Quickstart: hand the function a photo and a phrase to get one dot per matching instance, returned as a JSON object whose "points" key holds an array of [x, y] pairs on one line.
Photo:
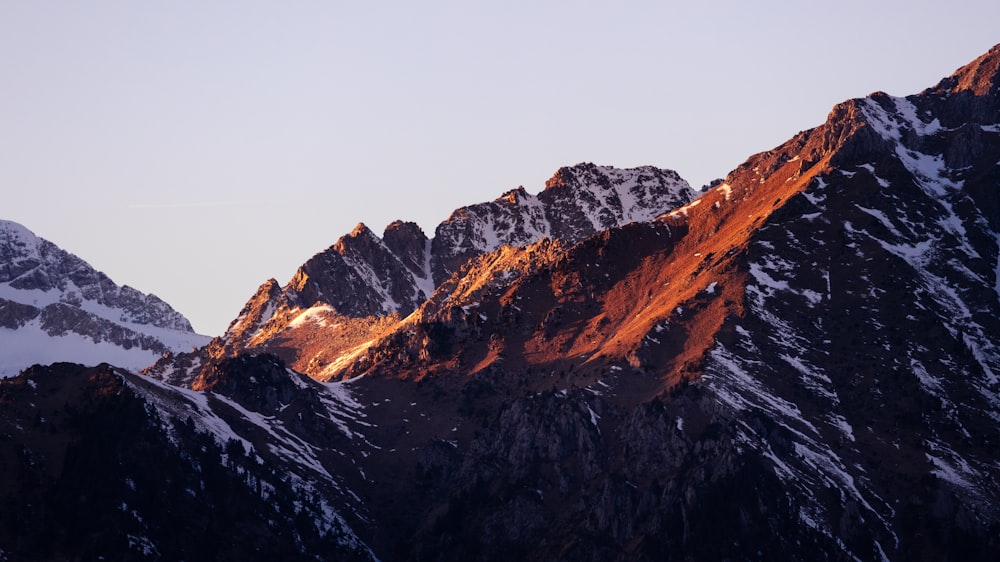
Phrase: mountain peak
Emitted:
{"points": [[514, 196], [256, 311], [584, 172], [981, 77], [591, 175], [361, 229], [19, 248], [577, 202], [402, 228], [11, 231], [47, 292]]}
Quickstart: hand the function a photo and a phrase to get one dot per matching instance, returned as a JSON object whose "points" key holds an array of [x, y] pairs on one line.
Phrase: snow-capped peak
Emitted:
{"points": [[56, 307]]}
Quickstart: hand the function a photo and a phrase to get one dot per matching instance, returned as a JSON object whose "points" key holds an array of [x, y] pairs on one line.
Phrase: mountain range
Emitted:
{"points": [[799, 362]]}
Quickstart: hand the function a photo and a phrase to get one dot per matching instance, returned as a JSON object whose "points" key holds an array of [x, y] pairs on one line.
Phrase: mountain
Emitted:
{"points": [[56, 307], [363, 284], [799, 364], [99, 463]]}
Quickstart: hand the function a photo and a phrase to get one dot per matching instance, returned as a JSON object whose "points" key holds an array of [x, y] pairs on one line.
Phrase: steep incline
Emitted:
{"points": [[56, 307], [867, 360]]}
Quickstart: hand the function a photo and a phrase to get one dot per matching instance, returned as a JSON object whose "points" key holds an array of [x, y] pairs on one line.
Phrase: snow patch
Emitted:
{"points": [[30, 344], [314, 315], [683, 211]]}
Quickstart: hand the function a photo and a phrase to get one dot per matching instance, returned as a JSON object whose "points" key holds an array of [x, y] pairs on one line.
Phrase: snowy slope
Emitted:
{"points": [[56, 307]]}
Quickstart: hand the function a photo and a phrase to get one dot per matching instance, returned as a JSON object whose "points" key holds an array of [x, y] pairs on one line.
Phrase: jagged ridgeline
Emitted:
{"points": [[357, 290], [799, 363]]}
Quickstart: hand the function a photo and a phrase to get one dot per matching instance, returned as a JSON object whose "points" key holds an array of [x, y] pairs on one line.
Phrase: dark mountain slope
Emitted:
{"points": [[90, 469]]}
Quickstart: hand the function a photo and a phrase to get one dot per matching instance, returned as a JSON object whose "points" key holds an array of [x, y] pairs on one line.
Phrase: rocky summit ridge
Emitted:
{"points": [[363, 282], [802, 363]]}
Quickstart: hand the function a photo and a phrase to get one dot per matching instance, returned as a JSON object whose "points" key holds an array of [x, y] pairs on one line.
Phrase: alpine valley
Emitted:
{"points": [[799, 362]]}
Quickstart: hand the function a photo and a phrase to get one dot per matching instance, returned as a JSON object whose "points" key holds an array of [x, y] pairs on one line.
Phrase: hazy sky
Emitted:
{"points": [[196, 149]]}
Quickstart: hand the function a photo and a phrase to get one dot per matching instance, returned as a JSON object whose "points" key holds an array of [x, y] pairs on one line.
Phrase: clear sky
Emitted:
{"points": [[196, 149]]}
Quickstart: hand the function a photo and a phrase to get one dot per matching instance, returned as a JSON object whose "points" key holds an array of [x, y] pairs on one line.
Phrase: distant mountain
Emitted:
{"points": [[56, 307], [800, 364], [364, 283]]}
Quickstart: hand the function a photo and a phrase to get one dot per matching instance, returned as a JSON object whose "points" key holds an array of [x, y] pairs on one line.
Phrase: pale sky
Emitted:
{"points": [[196, 149]]}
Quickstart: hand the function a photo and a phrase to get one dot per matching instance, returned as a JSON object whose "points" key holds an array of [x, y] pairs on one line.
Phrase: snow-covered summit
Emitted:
{"points": [[577, 202], [55, 307], [32, 267]]}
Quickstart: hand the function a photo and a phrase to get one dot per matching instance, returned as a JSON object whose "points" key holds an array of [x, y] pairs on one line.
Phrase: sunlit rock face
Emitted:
{"points": [[349, 294]]}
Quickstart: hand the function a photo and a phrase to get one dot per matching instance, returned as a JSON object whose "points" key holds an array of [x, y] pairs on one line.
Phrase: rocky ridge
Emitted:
{"points": [[363, 284]]}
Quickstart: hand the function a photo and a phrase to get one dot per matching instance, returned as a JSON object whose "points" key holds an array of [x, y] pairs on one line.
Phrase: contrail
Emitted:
{"points": [[180, 205]]}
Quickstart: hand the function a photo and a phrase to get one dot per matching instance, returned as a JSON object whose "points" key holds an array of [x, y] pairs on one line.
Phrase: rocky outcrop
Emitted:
{"points": [[260, 383], [14, 315], [409, 244], [256, 312]]}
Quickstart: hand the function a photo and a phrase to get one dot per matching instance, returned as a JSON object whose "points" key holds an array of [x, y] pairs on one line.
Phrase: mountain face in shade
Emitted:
{"points": [[364, 283], [99, 463], [56, 307], [800, 364]]}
